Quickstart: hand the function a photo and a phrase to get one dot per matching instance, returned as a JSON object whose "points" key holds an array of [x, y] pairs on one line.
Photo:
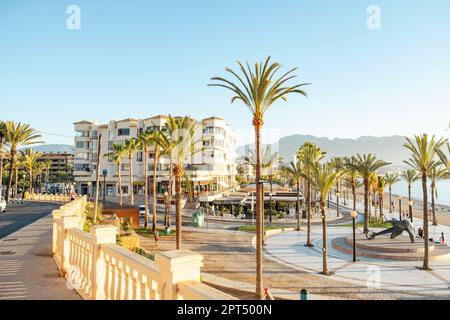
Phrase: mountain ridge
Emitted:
{"points": [[388, 148]]}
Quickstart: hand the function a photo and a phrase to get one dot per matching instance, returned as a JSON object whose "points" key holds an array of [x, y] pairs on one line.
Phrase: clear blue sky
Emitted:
{"points": [[142, 58]]}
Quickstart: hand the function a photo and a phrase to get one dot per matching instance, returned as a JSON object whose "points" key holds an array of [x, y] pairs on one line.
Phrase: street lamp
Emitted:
{"points": [[89, 190], [354, 215], [400, 207], [411, 203], [166, 210]]}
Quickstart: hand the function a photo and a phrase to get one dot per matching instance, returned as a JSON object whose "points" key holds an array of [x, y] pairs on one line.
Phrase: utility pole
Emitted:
{"points": [[97, 177]]}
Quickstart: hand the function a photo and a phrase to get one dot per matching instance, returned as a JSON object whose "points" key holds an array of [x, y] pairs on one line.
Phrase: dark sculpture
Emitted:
{"points": [[397, 229]]}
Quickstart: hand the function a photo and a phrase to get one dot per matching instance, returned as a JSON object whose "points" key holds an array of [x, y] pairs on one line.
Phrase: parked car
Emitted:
{"points": [[2, 205], [142, 211]]}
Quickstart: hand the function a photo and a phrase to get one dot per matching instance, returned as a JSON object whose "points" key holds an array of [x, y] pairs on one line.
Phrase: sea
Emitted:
{"points": [[443, 191]]}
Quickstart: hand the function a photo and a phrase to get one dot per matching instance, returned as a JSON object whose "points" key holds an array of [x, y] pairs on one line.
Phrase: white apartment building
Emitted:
{"points": [[211, 170]]}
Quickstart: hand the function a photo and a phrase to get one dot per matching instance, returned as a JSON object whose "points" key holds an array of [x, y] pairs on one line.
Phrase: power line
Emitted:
{"points": [[56, 134]]}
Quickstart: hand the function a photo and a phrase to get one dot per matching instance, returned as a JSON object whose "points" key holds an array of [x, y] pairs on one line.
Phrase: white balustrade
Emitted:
{"points": [[100, 269]]}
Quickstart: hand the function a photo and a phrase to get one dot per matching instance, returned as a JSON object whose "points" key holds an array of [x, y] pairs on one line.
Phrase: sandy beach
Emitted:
{"points": [[442, 211]]}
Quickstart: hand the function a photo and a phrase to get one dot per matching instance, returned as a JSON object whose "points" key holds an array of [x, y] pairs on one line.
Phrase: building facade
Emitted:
{"points": [[211, 169]]}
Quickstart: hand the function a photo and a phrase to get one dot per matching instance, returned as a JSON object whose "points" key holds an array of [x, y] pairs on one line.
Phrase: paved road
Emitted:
{"points": [[27, 269], [18, 216]]}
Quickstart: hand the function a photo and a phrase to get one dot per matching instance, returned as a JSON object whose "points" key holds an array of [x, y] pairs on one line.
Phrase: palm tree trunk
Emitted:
{"points": [[130, 158], [154, 188], [16, 183], [380, 196], [324, 239], [409, 201], [354, 194], [257, 123], [30, 187], [298, 205], [270, 196], [11, 172], [169, 198], [308, 232], [433, 203], [1, 169], [146, 185], [390, 199], [366, 205], [177, 175], [308, 205], [337, 199], [425, 220], [119, 164]]}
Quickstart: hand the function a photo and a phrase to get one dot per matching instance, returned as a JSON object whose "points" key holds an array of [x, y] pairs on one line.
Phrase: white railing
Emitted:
{"points": [[48, 197], [99, 269]]}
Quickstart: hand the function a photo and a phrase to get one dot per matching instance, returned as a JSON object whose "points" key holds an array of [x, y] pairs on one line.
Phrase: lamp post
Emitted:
{"points": [[104, 173], [337, 204], [166, 205], [354, 215], [411, 203], [400, 208], [89, 190]]}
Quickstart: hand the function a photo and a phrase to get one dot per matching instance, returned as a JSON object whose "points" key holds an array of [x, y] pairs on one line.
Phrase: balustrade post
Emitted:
{"points": [[100, 234], [177, 266], [57, 214], [67, 222]]}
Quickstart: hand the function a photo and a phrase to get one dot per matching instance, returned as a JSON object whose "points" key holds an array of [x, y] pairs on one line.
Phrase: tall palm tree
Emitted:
{"points": [[116, 155], [366, 165], [352, 176], [131, 146], [338, 163], [182, 132], [437, 172], [258, 89], [30, 159], [150, 139], [391, 179], [309, 155], [17, 134], [166, 145], [295, 170], [380, 186], [325, 177], [424, 151], [2, 143], [410, 176]]}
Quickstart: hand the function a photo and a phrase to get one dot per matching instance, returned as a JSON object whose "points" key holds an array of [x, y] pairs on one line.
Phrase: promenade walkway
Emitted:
{"points": [[27, 269], [399, 277]]}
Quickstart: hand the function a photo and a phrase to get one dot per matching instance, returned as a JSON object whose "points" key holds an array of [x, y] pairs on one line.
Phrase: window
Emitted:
{"points": [[110, 145], [80, 156], [82, 144], [125, 166], [82, 167], [124, 132], [139, 156], [111, 134], [94, 134]]}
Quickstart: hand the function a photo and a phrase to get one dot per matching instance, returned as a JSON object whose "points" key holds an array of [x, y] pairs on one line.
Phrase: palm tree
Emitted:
{"points": [[182, 132], [380, 186], [391, 179], [150, 139], [295, 170], [423, 153], [437, 172], [116, 155], [17, 134], [410, 176], [352, 177], [258, 90], [310, 155], [366, 165], [2, 143], [30, 159], [338, 164], [325, 177], [131, 146]]}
